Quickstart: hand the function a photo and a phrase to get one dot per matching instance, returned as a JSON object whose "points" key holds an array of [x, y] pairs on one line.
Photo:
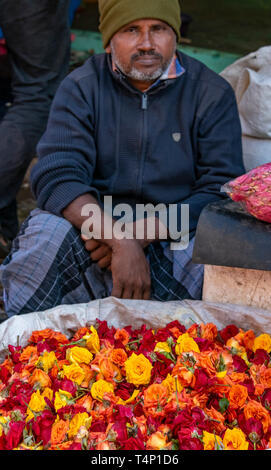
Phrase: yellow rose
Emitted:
{"points": [[36, 404], [138, 369], [46, 361], [79, 420], [77, 355], [235, 439], [74, 373], [62, 398], [211, 441], [171, 384], [92, 341], [186, 344], [162, 347], [262, 342], [101, 387], [3, 422], [48, 393]]}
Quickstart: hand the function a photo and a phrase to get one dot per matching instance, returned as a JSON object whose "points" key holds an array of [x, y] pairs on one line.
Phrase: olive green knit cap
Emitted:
{"points": [[114, 14]]}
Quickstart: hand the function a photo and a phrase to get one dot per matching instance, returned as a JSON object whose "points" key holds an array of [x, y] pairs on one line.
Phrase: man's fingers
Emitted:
{"points": [[105, 262], [117, 291], [99, 253], [91, 245]]}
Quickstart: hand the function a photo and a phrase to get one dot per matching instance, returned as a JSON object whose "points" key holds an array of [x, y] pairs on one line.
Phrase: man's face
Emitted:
{"points": [[143, 49]]}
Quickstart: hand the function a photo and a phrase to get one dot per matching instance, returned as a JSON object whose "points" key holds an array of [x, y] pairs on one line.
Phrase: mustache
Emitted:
{"points": [[146, 54]]}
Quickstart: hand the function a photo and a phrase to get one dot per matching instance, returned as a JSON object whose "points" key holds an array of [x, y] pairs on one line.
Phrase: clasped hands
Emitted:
{"points": [[127, 262]]}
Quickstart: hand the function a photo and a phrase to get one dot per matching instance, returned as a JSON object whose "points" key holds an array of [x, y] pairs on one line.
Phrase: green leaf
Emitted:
{"points": [[223, 404]]}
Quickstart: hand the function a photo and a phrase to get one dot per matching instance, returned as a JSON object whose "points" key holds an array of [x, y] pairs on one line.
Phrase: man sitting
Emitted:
{"points": [[145, 124]]}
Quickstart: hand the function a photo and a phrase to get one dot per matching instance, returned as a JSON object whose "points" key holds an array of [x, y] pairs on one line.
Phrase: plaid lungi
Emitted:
{"points": [[48, 266]]}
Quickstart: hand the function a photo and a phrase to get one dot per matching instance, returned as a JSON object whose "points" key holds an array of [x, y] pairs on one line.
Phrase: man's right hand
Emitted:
{"points": [[130, 271]]}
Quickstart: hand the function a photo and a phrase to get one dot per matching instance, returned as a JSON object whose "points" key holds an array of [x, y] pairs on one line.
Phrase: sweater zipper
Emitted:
{"points": [[144, 107]]}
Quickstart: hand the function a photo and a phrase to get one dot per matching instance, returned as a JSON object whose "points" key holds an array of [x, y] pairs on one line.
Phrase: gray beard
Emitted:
{"points": [[135, 74]]}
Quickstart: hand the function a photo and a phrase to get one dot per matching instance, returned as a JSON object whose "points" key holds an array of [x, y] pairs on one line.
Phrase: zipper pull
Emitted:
{"points": [[144, 101]]}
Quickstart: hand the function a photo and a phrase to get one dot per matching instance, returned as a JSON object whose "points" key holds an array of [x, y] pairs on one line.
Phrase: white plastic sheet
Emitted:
{"points": [[121, 313]]}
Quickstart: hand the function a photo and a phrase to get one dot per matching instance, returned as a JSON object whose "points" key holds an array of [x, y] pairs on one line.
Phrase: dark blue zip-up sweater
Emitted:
{"points": [[105, 137]]}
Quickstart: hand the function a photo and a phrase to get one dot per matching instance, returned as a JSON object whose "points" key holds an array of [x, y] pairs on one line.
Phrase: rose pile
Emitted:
{"points": [[120, 389]]}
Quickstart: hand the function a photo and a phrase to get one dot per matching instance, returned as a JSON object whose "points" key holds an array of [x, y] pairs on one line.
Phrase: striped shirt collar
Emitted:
{"points": [[174, 70]]}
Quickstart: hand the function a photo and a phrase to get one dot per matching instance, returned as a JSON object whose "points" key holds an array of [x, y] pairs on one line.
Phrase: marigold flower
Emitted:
{"points": [[78, 420], [238, 396], [74, 372], [186, 344], [235, 439], [138, 369], [254, 409], [211, 441], [100, 388], [262, 342], [59, 431]]}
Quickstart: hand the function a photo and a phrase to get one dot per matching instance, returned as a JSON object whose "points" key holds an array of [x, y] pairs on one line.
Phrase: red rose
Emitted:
{"points": [[14, 435], [203, 344], [189, 444], [260, 357], [66, 385], [98, 426], [42, 425], [133, 443], [125, 390], [4, 374], [266, 399], [120, 429], [239, 364], [203, 381], [75, 446], [228, 332]]}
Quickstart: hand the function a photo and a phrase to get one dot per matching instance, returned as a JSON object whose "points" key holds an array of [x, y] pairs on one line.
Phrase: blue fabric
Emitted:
{"points": [[49, 266], [103, 139]]}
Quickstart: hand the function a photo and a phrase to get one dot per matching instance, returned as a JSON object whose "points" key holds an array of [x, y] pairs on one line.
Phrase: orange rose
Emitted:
{"points": [[246, 338], [185, 376], [89, 374], [155, 398], [59, 431], [122, 335], [237, 396], [208, 331], [119, 356], [80, 333], [109, 370], [217, 420], [254, 409], [265, 378], [28, 353], [157, 441], [86, 401], [40, 377], [37, 335]]}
